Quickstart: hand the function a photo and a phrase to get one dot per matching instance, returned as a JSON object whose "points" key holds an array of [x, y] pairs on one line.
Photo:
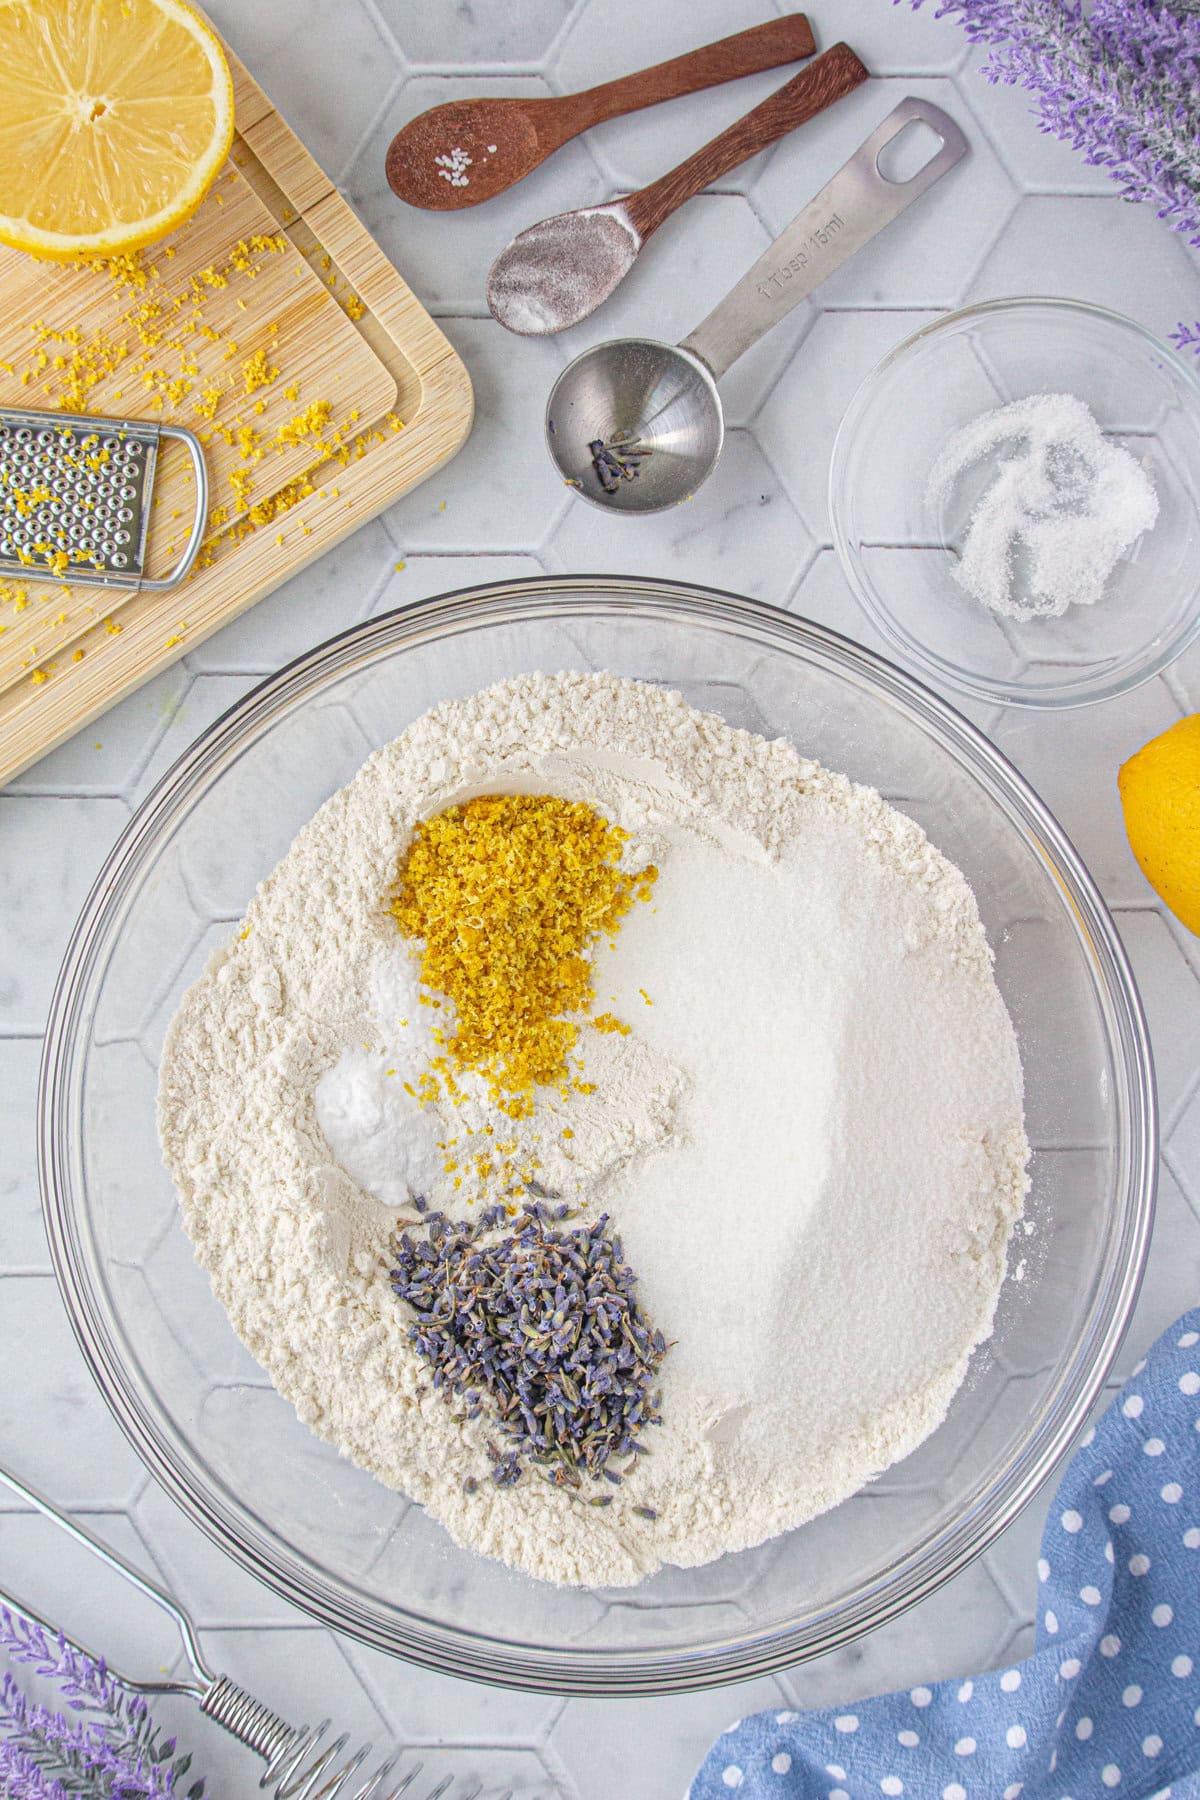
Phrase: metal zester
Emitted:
{"points": [[75, 495]]}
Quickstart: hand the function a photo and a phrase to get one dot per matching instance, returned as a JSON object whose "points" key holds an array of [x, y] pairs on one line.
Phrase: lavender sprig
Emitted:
{"points": [[21, 1778], [116, 1754], [1157, 39], [1117, 80], [1187, 337], [82, 1759], [84, 1682]]}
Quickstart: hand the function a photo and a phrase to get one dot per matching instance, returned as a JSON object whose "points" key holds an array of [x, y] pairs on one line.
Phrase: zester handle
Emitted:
{"points": [[195, 537], [845, 215]]}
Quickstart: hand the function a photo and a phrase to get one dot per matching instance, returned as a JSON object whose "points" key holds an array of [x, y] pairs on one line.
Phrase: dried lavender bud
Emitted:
{"points": [[617, 460], [507, 1471], [542, 1326]]}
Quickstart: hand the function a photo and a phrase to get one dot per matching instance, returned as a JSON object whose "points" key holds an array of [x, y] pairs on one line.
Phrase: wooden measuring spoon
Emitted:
{"points": [[560, 270], [468, 150]]}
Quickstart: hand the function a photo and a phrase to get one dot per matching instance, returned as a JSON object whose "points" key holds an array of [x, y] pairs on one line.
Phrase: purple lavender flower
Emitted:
{"points": [[1157, 38], [114, 1753], [1118, 80], [1187, 337], [22, 1779], [82, 1681]]}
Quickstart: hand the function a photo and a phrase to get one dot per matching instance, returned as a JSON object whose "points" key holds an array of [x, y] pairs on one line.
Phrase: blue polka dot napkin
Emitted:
{"points": [[1109, 1703]]}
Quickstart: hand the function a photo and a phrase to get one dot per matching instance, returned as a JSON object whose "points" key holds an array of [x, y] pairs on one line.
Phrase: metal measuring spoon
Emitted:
{"points": [[635, 425], [559, 271]]}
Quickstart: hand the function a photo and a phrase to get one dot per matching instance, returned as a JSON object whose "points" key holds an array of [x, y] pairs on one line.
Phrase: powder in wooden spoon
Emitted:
{"points": [[560, 270]]}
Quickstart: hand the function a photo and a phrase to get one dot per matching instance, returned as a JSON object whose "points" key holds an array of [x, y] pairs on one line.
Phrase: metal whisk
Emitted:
{"points": [[303, 1763]]}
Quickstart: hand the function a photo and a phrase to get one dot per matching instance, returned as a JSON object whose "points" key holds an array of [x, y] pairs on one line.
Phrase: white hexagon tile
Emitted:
{"points": [[1020, 215]]}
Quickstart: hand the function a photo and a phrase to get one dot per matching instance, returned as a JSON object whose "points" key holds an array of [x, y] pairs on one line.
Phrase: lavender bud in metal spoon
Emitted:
{"points": [[633, 399]]}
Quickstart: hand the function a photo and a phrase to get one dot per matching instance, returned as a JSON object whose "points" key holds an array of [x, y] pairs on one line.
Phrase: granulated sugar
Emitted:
{"points": [[1064, 506], [810, 1141]]}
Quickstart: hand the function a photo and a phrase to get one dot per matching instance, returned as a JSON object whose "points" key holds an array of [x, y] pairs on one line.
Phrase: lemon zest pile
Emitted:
{"points": [[610, 1022], [508, 894], [309, 423]]}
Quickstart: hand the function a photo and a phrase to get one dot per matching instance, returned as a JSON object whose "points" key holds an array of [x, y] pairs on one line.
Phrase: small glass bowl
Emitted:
{"points": [[898, 548]]}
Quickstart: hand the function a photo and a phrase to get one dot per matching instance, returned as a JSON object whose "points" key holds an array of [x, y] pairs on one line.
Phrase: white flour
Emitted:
{"points": [[811, 1143]]}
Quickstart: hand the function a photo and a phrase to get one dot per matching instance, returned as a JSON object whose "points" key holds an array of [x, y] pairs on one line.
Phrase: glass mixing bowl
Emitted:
{"points": [[202, 1413], [898, 546]]}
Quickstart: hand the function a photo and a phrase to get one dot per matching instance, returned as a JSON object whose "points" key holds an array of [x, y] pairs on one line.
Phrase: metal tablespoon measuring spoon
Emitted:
{"points": [[635, 425]]}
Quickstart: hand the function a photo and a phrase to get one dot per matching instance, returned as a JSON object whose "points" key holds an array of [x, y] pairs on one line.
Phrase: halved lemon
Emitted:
{"points": [[115, 118], [1160, 795]]}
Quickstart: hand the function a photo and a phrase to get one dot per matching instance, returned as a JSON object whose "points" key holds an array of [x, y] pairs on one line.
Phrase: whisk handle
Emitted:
{"points": [[246, 1718]]}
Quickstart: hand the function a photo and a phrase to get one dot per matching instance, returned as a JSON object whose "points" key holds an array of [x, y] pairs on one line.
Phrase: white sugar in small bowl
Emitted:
{"points": [[899, 542]]}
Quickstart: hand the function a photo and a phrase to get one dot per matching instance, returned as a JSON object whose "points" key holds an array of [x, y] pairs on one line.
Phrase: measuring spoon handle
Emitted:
{"points": [[835, 73], [845, 215], [747, 52]]}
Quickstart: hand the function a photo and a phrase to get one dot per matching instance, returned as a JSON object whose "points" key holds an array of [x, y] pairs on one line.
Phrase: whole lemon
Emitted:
{"points": [[1160, 792]]}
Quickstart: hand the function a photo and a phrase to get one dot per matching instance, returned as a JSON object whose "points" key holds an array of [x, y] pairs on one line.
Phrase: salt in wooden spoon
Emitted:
{"points": [[468, 150], [560, 270]]}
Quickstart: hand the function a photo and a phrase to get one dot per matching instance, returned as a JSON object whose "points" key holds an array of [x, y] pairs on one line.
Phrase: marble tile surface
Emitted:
{"points": [[1021, 215]]}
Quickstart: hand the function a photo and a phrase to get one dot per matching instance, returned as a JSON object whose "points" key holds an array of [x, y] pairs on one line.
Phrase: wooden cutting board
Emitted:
{"points": [[274, 327]]}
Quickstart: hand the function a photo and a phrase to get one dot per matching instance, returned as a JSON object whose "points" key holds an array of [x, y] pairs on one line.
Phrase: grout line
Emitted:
{"points": [[374, 121], [383, 27], [559, 38], [455, 310], [522, 70], [793, 592], [865, 306], [26, 791]]}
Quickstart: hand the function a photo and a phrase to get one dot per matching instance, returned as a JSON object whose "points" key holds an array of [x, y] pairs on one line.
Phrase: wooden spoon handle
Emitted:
{"points": [[745, 53], [835, 73]]}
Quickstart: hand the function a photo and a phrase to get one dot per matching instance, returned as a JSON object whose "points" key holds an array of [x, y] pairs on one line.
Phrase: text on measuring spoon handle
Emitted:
{"points": [[846, 214]]}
